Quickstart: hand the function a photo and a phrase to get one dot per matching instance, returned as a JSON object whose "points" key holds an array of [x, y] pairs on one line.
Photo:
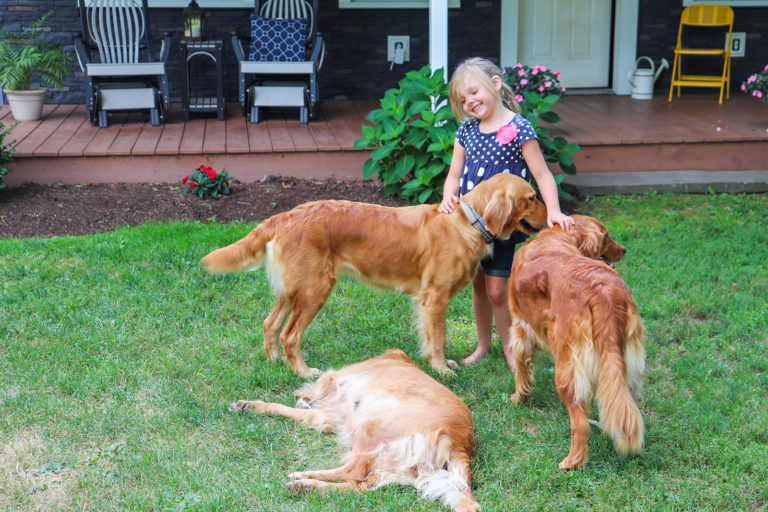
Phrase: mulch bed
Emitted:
{"points": [[50, 210]]}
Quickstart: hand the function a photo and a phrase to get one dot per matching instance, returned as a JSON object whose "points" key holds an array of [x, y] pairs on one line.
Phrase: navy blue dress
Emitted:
{"points": [[486, 157]]}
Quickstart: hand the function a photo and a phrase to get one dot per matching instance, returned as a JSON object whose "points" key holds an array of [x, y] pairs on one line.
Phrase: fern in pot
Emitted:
{"points": [[22, 58]]}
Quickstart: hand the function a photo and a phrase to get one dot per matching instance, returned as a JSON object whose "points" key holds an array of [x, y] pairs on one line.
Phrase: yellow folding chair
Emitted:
{"points": [[703, 15]]}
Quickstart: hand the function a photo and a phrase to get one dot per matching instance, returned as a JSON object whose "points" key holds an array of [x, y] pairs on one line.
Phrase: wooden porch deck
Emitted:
{"points": [[616, 133]]}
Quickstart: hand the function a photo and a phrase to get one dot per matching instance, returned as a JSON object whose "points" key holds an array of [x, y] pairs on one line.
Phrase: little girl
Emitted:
{"points": [[495, 139]]}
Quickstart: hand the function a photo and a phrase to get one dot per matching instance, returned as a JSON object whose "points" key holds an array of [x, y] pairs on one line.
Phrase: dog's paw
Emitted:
{"points": [[244, 405], [303, 403], [299, 486], [452, 364], [569, 463], [309, 373], [519, 398]]}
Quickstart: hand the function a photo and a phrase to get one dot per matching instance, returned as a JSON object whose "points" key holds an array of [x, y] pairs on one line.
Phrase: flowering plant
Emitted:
{"points": [[536, 90], [205, 181], [536, 79], [757, 84]]}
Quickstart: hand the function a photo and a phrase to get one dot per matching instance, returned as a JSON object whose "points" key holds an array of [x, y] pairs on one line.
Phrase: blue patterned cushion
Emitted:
{"points": [[278, 40]]}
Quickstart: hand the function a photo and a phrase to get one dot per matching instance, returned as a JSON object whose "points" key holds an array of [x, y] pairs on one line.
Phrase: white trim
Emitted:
{"points": [[438, 35], [624, 39], [392, 4]]}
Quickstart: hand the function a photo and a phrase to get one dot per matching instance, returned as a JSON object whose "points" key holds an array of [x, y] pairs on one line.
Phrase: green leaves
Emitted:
{"points": [[21, 58], [206, 182], [413, 142], [414, 129], [5, 152]]}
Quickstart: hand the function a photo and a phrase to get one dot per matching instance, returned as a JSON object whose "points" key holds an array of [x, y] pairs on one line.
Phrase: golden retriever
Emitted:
{"points": [[414, 249], [565, 299], [399, 425]]}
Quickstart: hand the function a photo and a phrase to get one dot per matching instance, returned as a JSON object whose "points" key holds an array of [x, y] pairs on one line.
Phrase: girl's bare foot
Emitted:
{"points": [[475, 356]]}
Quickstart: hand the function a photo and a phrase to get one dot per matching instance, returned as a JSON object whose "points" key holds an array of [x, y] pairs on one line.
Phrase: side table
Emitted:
{"points": [[190, 50]]}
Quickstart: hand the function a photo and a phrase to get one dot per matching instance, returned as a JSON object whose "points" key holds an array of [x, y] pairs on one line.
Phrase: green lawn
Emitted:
{"points": [[119, 357]]}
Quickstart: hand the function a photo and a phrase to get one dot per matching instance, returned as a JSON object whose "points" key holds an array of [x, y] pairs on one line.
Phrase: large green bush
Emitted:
{"points": [[413, 134], [414, 129]]}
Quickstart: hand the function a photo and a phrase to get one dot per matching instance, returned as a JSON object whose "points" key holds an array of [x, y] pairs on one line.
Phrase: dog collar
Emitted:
{"points": [[477, 222]]}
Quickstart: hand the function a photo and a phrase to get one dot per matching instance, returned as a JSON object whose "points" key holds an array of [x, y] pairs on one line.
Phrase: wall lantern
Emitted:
{"points": [[193, 22]]}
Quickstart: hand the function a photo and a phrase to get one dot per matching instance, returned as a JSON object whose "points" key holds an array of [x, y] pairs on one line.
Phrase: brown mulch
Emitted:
{"points": [[49, 210]]}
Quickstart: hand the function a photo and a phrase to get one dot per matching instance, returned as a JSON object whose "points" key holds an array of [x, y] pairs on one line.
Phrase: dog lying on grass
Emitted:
{"points": [[565, 298], [399, 425], [414, 249]]}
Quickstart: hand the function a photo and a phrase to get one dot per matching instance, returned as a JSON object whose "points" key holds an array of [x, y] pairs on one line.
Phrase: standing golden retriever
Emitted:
{"points": [[564, 298], [399, 425], [414, 249]]}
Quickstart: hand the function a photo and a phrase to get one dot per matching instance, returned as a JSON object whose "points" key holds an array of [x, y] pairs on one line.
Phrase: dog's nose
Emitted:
{"points": [[623, 250]]}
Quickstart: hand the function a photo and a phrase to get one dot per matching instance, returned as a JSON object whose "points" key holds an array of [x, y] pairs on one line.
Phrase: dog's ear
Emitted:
{"points": [[590, 240], [498, 210]]}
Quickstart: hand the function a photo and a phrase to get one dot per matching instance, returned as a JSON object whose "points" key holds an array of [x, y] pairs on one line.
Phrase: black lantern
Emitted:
{"points": [[193, 22]]}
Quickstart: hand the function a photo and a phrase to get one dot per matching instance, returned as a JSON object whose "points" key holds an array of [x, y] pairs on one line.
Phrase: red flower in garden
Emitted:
{"points": [[185, 178], [191, 185]]}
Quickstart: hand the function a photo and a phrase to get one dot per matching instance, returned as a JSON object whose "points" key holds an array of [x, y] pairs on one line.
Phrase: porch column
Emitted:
{"points": [[438, 35]]}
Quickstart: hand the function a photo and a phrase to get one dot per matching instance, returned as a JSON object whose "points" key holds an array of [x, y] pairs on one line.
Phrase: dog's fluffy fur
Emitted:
{"points": [[565, 299], [415, 250], [398, 424]]}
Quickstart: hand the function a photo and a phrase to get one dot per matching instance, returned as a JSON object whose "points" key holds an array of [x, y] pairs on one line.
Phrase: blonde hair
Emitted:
{"points": [[483, 71]]}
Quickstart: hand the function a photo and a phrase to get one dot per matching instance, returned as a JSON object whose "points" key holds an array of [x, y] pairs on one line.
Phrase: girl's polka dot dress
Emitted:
{"points": [[486, 157]]}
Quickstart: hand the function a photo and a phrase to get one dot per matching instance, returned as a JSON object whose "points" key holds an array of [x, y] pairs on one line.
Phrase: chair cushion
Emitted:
{"points": [[278, 40]]}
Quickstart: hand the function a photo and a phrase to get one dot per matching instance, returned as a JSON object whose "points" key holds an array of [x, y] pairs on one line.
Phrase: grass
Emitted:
{"points": [[120, 355]]}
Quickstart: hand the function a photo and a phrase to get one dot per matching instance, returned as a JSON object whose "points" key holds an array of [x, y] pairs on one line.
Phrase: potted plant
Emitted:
{"points": [[21, 57]]}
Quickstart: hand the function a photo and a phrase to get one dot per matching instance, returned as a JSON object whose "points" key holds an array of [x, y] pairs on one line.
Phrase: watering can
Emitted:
{"points": [[642, 79]]}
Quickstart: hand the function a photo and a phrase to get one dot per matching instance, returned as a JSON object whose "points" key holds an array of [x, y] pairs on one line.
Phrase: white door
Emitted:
{"points": [[570, 36]]}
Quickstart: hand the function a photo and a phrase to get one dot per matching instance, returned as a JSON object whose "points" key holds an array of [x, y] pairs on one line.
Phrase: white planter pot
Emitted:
{"points": [[26, 105]]}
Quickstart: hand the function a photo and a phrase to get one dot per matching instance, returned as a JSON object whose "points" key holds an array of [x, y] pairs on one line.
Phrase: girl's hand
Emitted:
{"points": [[560, 218], [448, 204]]}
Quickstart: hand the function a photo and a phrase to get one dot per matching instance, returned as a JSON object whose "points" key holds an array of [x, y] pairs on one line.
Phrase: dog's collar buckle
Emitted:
{"points": [[477, 222]]}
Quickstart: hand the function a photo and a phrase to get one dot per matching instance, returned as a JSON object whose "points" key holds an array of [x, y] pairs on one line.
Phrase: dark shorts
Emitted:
{"points": [[500, 263]]}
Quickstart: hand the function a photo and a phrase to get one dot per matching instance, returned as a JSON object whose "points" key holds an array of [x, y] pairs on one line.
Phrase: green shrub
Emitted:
{"points": [[537, 89], [5, 152], [413, 141]]}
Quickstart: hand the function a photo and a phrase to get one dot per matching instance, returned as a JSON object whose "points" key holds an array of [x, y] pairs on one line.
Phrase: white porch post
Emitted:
{"points": [[438, 35]]}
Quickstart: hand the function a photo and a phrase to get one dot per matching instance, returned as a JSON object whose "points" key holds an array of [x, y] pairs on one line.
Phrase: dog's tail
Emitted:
{"points": [[442, 472], [245, 254], [620, 379]]}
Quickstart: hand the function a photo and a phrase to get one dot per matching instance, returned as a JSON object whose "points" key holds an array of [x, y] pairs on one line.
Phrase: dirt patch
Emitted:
{"points": [[49, 210]]}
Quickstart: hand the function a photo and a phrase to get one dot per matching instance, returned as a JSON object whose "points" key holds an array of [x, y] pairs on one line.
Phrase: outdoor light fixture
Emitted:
{"points": [[193, 22]]}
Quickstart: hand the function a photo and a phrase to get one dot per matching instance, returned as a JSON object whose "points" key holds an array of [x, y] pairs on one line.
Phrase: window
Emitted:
{"points": [[391, 4]]}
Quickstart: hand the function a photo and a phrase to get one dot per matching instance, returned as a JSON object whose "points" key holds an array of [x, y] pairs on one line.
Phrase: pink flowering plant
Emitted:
{"points": [[537, 89], [757, 85], [207, 182]]}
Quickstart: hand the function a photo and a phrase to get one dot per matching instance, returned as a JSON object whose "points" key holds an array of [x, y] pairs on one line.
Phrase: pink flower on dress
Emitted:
{"points": [[506, 134]]}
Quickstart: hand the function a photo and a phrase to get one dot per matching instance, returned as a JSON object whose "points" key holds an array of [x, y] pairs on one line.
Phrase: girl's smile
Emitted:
{"points": [[476, 100]]}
